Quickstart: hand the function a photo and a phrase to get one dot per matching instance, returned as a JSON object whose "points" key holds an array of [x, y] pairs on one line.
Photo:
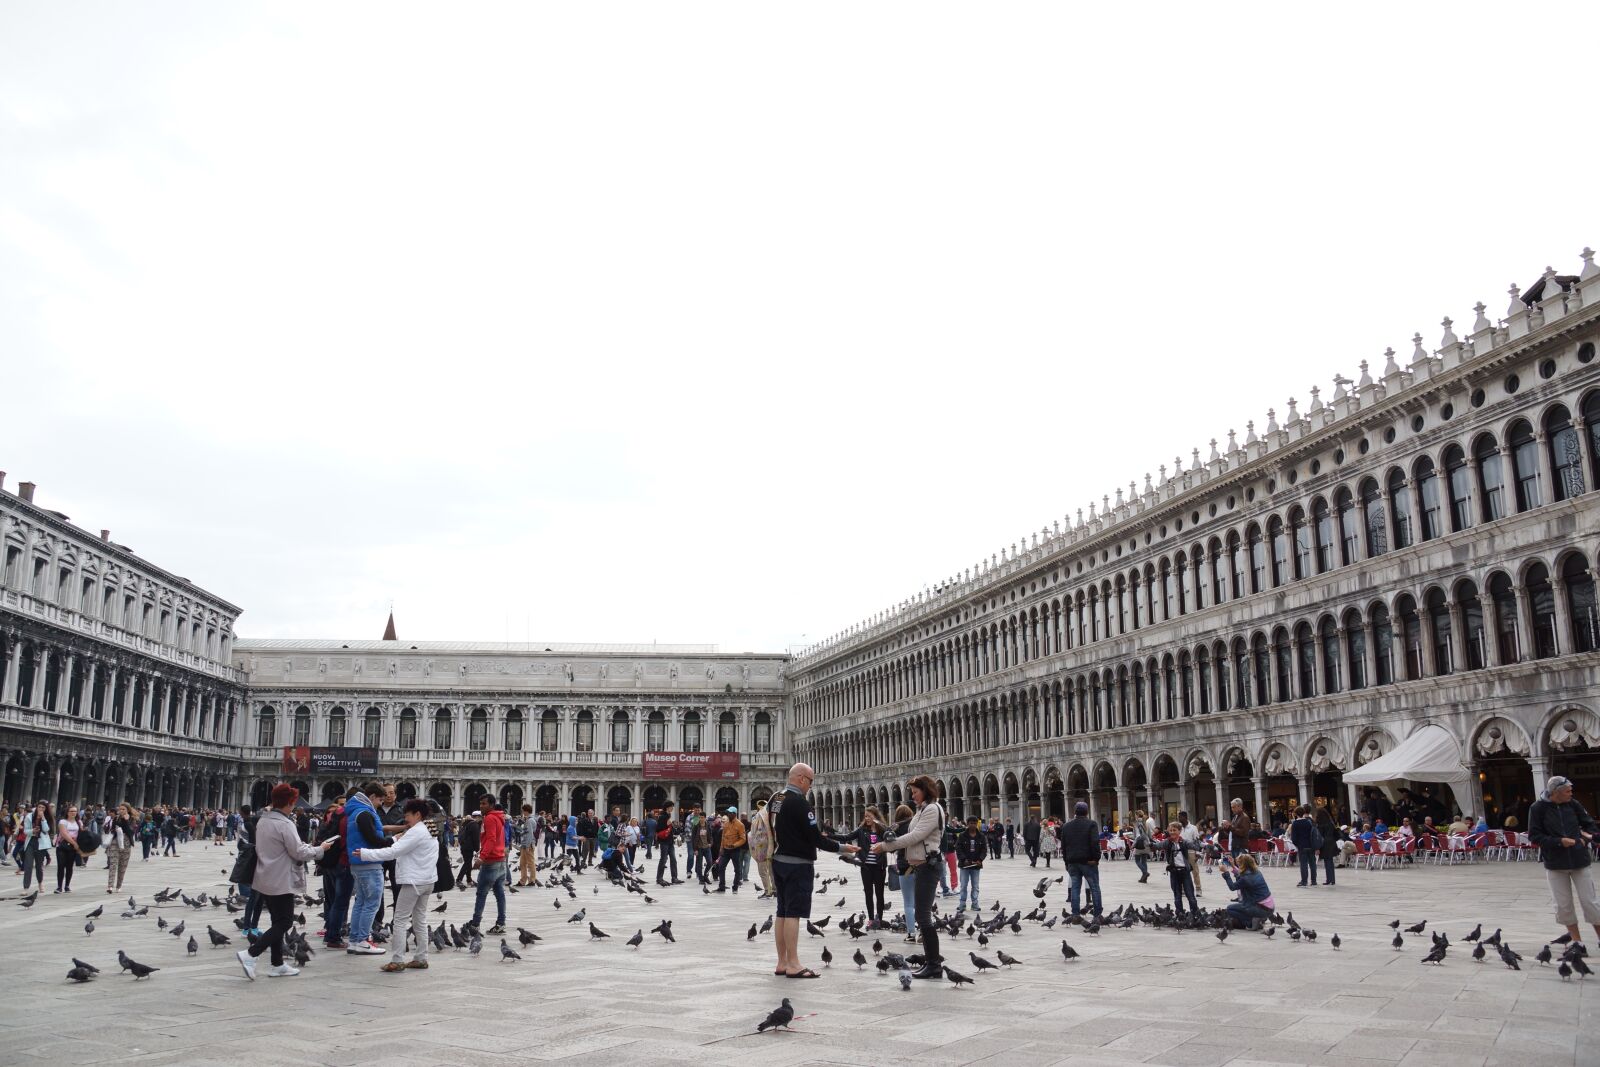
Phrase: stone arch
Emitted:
{"points": [[1373, 742], [1569, 727], [1496, 735]]}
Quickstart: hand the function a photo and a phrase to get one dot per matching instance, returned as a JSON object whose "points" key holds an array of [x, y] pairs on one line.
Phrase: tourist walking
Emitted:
{"points": [[734, 840], [921, 843], [280, 875], [969, 861], [1049, 843], [1030, 840], [1564, 832], [797, 840], [1191, 833], [491, 864], [1080, 851], [118, 843], [1238, 829], [761, 846], [415, 854], [527, 848], [36, 830], [67, 852], [669, 853], [1142, 845], [1307, 842]]}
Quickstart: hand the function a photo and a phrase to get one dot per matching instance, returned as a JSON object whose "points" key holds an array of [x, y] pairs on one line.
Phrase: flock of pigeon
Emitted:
{"points": [[981, 931]]}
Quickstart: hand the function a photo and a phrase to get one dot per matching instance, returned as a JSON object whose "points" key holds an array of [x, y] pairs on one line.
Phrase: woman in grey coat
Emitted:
{"points": [[280, 874]]}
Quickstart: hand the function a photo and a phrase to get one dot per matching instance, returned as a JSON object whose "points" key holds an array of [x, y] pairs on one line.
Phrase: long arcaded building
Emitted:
{"points": [[1410, 560]]}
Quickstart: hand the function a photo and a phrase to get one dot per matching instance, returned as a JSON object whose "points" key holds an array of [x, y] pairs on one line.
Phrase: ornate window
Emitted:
{"points": [[442, 729], [1305, 650], [513, 740], [655, 731], [727, 733], [549, 731], [372, 728], [1258, 558], [1382, 645], [1505, 612], [1427, 482], [620, 738], [1323, 521], [763, 732], [1349, 529], [1355, 642], [1300, 536], [585, 731], [1331, 682], [1491, 477], [691, 731], [408, 728], [267, 727], [1400, 505], [1377, 522], [1581, 597], [1524, 465], [1440, 623], [1566, 454], [1542, 599], [1591, 424], [302, 726], [1459, 477], [1472, 625], [336, 723], [1410, 636], [478, 730], [1280, 551], [1236, 565], [1284, 660]]}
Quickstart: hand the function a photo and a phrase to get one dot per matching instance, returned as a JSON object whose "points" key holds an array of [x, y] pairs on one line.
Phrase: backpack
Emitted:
{"points": [[88, 838], [1316, 839], [760, 839]]}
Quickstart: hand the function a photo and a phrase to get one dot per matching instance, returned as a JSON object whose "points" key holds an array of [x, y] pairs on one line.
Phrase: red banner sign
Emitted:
{"points": [[691, 766]]}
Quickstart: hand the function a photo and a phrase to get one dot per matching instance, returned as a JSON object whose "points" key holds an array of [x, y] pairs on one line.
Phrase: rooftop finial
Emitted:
{"points": [[1418, 353], [1390, 367], [1449, 337], [1366, 376], [1233, 442], [1272, 420], [1214, 455], [1339, 382], [1294, 413], [1482, 322], [1516, 301], [1589, 269], [1194, 455], [1250, 437], [1316, 401]]}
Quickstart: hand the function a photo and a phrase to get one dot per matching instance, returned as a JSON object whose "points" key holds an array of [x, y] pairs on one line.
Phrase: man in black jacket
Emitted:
{"points": [[796, 839], [1563, 831], [1080, 851], [1030, 840]]}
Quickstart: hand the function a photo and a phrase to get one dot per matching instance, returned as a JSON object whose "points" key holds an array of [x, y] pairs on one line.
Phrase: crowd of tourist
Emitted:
{"points": [[39, 837]]}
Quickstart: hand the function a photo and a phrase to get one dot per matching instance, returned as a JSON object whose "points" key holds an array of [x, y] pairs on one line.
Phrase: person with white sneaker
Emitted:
{"points": [[416, 856], [279, 877]]}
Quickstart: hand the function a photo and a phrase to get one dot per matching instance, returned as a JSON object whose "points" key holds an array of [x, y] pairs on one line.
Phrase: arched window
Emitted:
{"points": [[691, 731], [267, 728], [1236, 565], [1202, 666], [1566, 455], [1241, 674], [1323, 524], [441, 729], [1280, 551], [727, 733], [1263, 670], [1167, 591], [1219, 574], [656, 731], [302, 726], [372, 728], [1181, 580], [1491, 477], [1331, 680], [1349, 529], [1400, 506], [1581, 598], [620, 740], [408, 728], [1169, 681], [1377, 521], [1258, 558], [1300, 539], [1505, 617], [1224, 693], [1405, 611], [1459, 477], [1439, 623], [1542, 599], [1591, 424], [1382, 645], [1355, 643], [1472, 635], [1305, 651], [1427, 482], [1137, 683], [1185, 685], [1283, 658], [549, 730], [1133, 599], [763, 732], [585, 731], [514, 730], [478, 730], [336, 722], [1524, 465]]}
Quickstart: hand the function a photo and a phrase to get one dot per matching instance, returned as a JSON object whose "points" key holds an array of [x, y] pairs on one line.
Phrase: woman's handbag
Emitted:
{"points": [[244, 868]]}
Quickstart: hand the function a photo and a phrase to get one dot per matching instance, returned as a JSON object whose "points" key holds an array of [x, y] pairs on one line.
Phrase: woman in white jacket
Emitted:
{"points": [[416, 861]]}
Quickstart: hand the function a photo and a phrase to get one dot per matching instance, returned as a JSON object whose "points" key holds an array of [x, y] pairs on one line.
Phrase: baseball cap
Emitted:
{"points": [[733, 811]]}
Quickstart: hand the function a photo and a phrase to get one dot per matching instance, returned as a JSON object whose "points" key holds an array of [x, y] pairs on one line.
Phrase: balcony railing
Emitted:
{"points": [[58, 723], [79, 623]]}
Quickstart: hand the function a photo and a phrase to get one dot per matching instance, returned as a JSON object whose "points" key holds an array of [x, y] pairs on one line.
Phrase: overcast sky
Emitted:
{"points": [[720, 323]]}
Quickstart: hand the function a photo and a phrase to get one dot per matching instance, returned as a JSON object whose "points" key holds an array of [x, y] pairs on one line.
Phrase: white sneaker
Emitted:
{"points": [[365, 948], [248, 963], [283, 971]]}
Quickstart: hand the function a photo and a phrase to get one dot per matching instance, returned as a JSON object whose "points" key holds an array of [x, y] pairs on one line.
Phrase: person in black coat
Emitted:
{"points": [[1307, 841], [1565, 833], [1179, 856], [1030, 840], [1080, 851]]}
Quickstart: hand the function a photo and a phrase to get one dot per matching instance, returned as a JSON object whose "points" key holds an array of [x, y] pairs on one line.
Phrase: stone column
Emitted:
{"points": [[1222, 796], [13, 657], [1547, 478], [1124, 803], [1527, 644], [65, 689], [1320, 662], [1458, 637], [1540, 766], [1306, 787], [1263, 816]]}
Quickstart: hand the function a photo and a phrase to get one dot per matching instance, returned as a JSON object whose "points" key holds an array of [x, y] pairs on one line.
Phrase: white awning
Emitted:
{"points": [[1428, 754]]}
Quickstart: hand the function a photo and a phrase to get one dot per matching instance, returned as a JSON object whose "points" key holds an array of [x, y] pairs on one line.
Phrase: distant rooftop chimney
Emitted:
{"points": [[2, 479], [105, 535], [388, 631], [25, 491]]}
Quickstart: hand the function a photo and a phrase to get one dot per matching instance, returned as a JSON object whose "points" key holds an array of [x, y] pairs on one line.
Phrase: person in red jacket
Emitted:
{"points": [[491, 865]]}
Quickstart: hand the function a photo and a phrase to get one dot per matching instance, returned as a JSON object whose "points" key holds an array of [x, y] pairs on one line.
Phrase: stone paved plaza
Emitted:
{"points": [[1136, 996]]}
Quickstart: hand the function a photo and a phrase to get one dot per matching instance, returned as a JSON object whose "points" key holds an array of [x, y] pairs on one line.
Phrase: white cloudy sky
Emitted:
{"points": [[719, 322]]}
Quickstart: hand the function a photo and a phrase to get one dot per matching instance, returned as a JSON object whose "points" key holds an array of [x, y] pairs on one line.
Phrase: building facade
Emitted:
{"points": [[1421, 549], [116, 677], [564, 727]]}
